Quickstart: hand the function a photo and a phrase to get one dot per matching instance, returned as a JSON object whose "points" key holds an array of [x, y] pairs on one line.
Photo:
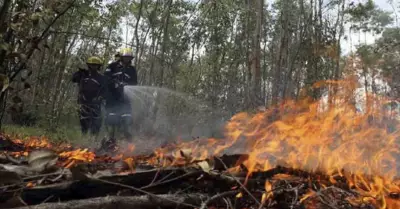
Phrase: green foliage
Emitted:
{"points": [[388, 47], [367, 54], [360, 11], [368, 17], [61, 134]]}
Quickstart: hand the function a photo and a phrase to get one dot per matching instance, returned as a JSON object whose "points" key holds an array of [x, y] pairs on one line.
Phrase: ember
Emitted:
{"points": [[300, 155]]}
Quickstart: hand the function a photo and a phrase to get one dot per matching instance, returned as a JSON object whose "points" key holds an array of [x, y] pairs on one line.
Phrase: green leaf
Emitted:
{"points": [[4, 82], [4, 46], [36, 16], [15, 26], [23, 57]]}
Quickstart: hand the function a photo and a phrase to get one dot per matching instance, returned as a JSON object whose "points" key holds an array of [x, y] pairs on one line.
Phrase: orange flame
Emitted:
{"points": [[77, 155], [34, 142], [334, 137]]}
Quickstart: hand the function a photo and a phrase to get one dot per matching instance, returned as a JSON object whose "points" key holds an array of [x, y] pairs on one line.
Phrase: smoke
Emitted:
{"points": [[162, 116]]}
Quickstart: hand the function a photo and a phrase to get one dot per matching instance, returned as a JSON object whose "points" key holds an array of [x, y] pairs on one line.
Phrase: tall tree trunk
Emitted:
{"points": [[143, 47], [247, 31], [277, 85], [6, 34], [153, 54], [255, 62], [7, 38], [60, 68], [137, 32], [60, 89], [37, 76], [164, 44], [4, 10], [336, 76], [152, 47], [107, 44]]}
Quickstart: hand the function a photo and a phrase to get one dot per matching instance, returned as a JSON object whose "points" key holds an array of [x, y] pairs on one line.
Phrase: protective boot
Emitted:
{"points": [[126, 122]]}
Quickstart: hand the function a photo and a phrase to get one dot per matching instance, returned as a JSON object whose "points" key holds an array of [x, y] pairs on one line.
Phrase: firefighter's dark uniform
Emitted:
{"points": [[92, 88], [118, 107]]}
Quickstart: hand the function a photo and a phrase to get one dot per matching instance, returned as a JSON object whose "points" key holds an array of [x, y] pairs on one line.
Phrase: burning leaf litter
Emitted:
{"points": [[299, 155]]}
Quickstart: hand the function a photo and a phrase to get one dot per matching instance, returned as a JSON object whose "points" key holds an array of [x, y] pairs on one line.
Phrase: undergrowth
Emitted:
{"points": [[61, 134]]}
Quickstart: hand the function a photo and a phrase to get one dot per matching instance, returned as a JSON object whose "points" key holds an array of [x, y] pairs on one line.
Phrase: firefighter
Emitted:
{"points": [[92, 88], [118, 107], [116, 59]]}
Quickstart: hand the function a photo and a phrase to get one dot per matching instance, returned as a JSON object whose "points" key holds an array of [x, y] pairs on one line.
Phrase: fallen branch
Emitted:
{"points": [[137, 202], [172, 180], [58, 173], [91, 187], [141, 191], [21, 170]]}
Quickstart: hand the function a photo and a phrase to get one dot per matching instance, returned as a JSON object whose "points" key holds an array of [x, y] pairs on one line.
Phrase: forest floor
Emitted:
{"points": [[67, 134], [73, 136]]}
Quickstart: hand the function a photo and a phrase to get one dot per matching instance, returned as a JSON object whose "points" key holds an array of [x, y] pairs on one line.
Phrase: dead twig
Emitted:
{"points": [[155, 177], [112, 202], [218, 196], [58, 177], [325, 202], [47, 199], [228, 203], [12, 160], [12, 185], [45, 175], [184, 190], [22, 201], [141, 191], [319, 194], [170, 180], [166, 177], [240, 183]]}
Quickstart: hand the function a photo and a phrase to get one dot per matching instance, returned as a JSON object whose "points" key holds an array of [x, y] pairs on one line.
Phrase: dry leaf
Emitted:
{"points": [[268, 192], [42, 160], [102, 173], [264, 198], [309, 194], [19, 169], [30, 184], [204, 166], [4, 82], [185, 153]]}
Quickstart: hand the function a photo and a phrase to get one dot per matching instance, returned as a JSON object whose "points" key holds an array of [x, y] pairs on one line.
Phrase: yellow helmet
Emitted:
{"points": [[94, 60], [126, 52]]}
